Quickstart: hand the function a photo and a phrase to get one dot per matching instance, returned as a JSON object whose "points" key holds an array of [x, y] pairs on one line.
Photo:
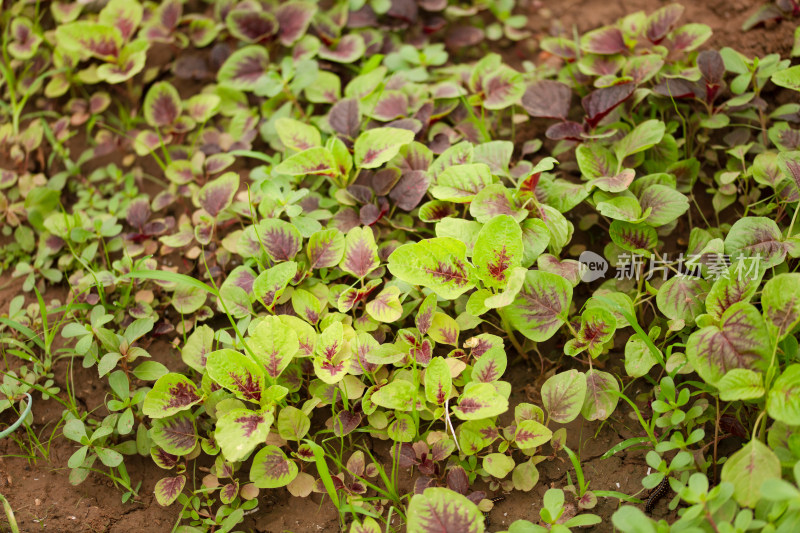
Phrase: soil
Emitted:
{"points": [[36, 483]]}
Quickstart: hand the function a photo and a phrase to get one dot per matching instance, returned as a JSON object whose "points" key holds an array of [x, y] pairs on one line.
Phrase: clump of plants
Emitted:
{"points": [[342, 228]]}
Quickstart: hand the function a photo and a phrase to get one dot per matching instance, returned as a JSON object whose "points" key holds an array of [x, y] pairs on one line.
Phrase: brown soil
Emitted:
{"points": [[43, 499]]}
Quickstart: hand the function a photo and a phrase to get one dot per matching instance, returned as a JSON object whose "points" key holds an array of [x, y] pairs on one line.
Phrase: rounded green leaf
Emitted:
{"points": [[272, 469], [440, 510], [541, 306], [175, 434], [162, 104], [239, 431], [752, 237], [399, 395], [498, 465], [741, 384], [170, 394], [748, 468], [563, 395], [237, 373], [168, 489], [386, 305], [274, 345], [438, 382], [480, 400], [780, 301], [682, 297], [783, 402], [531, 434], [601, 395], [439, 264], [375, 147], [498, 250], [740, 341]]}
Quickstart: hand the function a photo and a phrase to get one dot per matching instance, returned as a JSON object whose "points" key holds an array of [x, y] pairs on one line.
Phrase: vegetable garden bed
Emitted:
{"points": [[398, 265]]}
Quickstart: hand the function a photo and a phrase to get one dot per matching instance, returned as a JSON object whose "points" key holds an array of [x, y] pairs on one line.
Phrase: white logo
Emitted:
{"points": [[592, 266]]}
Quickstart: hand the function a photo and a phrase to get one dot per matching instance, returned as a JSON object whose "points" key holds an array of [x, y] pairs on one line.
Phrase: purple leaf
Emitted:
{"points": [[345, 118], [607, 40], [138, 212], [662, 21], [711, 66], [460, 37], [347, 50], [601, 102], [678, 88], [410, 190], [571, 131], [293, 19], [175, 434], [168, 489], [547, 99], [281, 239], [162, 105], [345, 422], [251, 26]]}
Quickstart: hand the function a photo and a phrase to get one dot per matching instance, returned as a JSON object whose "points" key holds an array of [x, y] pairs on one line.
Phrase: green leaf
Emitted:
{"points": [[361, 253], [541, 306], [237, 373], [602, 395], [274, 345], [740, 341], [438, 382], [439, 264], [498, 250], [162, 105], [597, 328], [297, 135], [645, 135], [751, 236], [175, 434], [269, 286], [398, 395], [293, 424], [530, 434], [377, 146], [385, 307], [563, 395], [325, 248], [444, 329], [424, 317], [439, 510], [682, 297], [783, 402], [281, 239], [272, 469], [168, 489], [741, 384], [187, 299], [247, 69], [460, 183], [635, 238], [239, 431], [638, 357], [480, 400], [170, 394], [217, 194], [315, 161], [748, 468], [789, 78], [729, 288], [597, 161], [498, 465], [780, 301], [665, 203]]}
